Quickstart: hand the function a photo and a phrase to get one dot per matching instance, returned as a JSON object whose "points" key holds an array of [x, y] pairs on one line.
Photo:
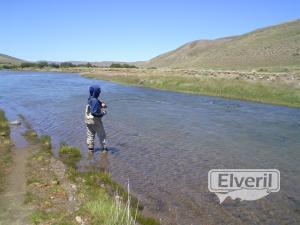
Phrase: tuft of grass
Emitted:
{"points": [[31, 136], [107, 205], [4, 125], [38, 216], [69, 155], [30, 197], [45, 142]]}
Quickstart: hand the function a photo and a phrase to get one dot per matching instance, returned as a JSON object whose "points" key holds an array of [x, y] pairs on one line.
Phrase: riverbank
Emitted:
{"points": [[54, 191], [13, 180], [279, 88], [5, 150], [235, 86]]}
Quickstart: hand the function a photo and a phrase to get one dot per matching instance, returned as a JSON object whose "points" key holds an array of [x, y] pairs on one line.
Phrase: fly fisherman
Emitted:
{"points": [[93, 114]]}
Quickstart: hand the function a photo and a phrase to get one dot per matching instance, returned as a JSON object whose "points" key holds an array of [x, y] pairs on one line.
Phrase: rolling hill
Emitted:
{"points": [[271, 46], [6, 59]]}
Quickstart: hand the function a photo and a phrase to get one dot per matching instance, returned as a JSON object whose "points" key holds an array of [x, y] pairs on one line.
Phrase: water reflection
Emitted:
{"points": [[96, 161]]}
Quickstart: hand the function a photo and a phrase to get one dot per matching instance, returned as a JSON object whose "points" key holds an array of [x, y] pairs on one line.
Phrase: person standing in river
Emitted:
{"points": [[95, 110]]}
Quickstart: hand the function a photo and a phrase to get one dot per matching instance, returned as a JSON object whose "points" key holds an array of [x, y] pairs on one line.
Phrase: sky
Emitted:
{"points": [[98, 30]]}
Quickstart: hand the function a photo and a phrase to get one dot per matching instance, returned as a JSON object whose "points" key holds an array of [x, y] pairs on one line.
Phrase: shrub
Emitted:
{"points": [[262, 70], [42, 64], [28, 64], [88, 65], [67, 64], [118, 65], [54, 65], [8, 66]]}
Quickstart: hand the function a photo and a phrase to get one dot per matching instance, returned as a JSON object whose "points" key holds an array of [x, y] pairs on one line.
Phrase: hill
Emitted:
{"points": [[6, 59], [272, 46]]}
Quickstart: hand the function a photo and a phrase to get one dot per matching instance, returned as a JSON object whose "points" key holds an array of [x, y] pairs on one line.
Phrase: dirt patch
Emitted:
{"points": [[12, 208]]}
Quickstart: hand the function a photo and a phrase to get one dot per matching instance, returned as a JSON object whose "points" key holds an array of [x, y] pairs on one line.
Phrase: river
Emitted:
{"points": [[165, 143]]}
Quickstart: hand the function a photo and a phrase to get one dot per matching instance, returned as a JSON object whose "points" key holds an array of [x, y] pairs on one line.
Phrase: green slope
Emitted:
{"points": [[6, 59], [272, 46]]}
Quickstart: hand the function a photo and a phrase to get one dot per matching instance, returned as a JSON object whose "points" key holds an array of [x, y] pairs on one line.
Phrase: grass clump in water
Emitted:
{"points": [[45, 142], [4, 126], [31, 136], [69, 155]]}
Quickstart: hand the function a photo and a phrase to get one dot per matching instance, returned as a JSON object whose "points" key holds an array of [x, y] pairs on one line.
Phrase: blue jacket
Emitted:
{"points": [[94, 102]]}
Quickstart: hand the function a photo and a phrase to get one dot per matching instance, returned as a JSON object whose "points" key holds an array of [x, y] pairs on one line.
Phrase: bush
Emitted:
{"points": [[42, 64], [88, 65], [28, 64], [7, 66], [262, 70], [67, 64], [54, 65], [118, 65]]}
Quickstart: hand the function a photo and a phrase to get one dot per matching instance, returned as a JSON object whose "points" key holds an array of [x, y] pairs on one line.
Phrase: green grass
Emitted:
{"points": [[4, 125], [57, 218], [31, 136], [5, 150], [45, 142], [108, 202], [99, 192], [69, 155], [257, 91], [30, 197]]}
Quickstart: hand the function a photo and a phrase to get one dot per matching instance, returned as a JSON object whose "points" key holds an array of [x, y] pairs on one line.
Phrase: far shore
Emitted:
{"points": [[278, 88]]}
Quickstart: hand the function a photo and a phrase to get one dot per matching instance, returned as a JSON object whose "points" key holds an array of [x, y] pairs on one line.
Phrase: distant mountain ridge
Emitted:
{"points": [[277, 45]]}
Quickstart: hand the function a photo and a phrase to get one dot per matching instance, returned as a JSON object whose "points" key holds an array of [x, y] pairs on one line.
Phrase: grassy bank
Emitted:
{"points": [[260, 85], [234, 88], [60, 194], [5, 150]]}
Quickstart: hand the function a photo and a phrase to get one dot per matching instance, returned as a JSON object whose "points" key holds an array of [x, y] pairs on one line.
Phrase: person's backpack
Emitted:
{"points": [[89, 118]]}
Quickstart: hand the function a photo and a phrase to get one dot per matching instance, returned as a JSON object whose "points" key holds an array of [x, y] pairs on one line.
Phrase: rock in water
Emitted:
{"points": [[15, 122]]}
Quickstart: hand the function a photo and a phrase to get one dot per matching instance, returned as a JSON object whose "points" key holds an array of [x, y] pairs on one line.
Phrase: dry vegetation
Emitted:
{"points": [[268, 47]]}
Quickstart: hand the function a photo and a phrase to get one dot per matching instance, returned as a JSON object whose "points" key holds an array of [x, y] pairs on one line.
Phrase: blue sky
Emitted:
{"points": [[92, 30]]}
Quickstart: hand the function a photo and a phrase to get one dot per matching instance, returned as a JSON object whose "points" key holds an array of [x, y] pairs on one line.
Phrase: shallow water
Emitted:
{"points": [[166, 143]]}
